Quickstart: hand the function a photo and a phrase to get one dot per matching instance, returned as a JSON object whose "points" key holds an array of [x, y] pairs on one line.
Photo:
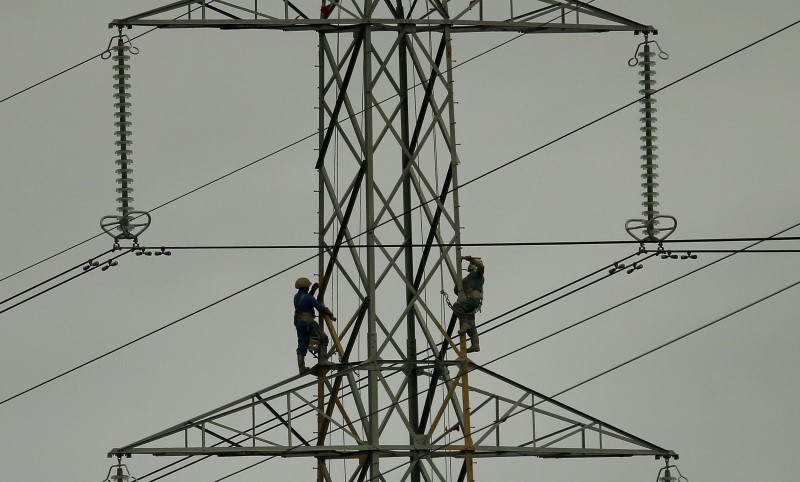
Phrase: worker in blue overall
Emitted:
{"points": [[469, 301], [306, 326]]}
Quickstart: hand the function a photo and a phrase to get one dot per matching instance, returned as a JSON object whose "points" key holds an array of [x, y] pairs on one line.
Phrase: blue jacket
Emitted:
{"points": [[304, 304]]}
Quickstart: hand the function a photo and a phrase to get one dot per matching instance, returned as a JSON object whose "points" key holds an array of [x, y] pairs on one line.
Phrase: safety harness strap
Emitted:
{"points": [[301, 315]]}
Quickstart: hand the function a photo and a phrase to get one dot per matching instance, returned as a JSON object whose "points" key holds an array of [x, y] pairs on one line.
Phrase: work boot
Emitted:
{"points": [[322, 366], [323, 360], [466, 325], [301, 364], [475, 344]]}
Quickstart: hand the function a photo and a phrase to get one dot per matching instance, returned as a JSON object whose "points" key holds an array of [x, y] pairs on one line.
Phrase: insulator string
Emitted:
{"points": [[649, 224], [129, 223]]}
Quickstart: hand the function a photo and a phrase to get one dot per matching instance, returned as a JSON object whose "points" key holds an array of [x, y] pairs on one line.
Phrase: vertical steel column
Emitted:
{"points": [[320, 173], [411, 329], [373, 402], [454, 161]]}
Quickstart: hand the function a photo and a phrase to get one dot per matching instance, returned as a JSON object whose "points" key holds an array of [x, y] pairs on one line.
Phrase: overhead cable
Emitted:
{"points": [[703, 327], [512, 161], [630, 361], [194, 461], [549, 302], [204, 308], [89, 60], [91, 267], [471, 181], [552, 397], [488, 244], [526, 346], [51, 278], [644, 293]]}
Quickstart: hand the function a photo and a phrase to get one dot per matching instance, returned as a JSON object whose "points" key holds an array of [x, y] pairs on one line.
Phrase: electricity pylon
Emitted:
{"points": [[388, 152]]}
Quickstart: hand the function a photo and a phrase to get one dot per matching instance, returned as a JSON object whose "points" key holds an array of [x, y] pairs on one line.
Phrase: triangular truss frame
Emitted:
{"points": [[502, 418]]}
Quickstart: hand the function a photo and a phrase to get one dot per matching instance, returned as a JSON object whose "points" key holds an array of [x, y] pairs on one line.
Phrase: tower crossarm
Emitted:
{"points": [[526, 16], [281, 421]]}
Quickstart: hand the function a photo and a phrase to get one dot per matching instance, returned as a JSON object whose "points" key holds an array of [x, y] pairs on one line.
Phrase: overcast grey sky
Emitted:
{"points": [[206, 102]]}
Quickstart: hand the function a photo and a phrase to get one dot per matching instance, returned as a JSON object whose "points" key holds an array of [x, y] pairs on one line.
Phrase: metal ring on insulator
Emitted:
{"points": [[119, 473], [650, 233]]}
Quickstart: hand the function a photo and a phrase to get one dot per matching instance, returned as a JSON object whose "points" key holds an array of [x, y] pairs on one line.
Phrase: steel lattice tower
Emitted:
{"points": [[415, 399]]}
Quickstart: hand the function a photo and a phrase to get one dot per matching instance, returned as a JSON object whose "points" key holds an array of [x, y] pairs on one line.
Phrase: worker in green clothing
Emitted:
{"points": [[469, 301]]}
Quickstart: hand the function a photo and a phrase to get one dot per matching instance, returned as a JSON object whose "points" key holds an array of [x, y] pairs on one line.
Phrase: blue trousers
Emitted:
{"points": [[304, 331]]}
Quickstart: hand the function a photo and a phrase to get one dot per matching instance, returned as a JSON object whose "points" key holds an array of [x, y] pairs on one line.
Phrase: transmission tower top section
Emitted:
{"points": [[526, 16]]}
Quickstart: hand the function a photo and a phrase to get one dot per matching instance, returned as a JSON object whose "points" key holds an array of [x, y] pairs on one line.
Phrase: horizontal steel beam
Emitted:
{"points": [[429, 451], [345, 25]]}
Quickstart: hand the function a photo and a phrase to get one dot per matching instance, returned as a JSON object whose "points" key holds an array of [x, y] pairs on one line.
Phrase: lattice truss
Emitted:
{"points": [[394, 129], [503, 419], [337, 15], [389, 235]]}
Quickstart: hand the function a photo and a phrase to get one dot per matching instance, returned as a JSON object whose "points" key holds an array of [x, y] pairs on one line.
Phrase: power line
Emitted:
{"points": [[564, 391], [148, 249], [602, 269], [169, 202], [99, 357], [552, 397], [225, 298], [68, 69], [493, 244], [183, 318], [559, 298], [51, 77], [469, 182], [759, 240], [510, 244], [636, 101], [50, 257], [512, 161], [703, 327], [91, 267], [616, 264], [644, 293], [650, 351], [51, 278]]}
